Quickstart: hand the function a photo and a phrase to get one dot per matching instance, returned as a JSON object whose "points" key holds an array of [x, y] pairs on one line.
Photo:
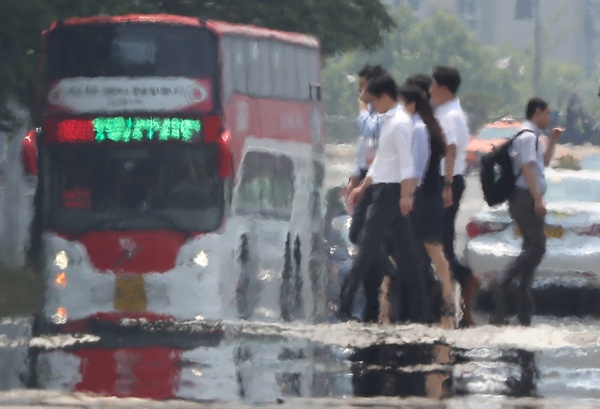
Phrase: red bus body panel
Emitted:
{"points": [[135, 252]]}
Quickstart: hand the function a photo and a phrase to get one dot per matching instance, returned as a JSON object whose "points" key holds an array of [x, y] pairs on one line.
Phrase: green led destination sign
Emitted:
{"points": [[127, 129]]}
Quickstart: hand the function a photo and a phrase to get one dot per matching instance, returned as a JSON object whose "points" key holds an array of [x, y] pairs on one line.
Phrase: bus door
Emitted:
{"points": [[269, 245]]}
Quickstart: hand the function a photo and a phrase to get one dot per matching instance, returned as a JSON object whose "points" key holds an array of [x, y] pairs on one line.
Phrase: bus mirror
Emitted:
{"points": [[315, 91], [29, 153]]}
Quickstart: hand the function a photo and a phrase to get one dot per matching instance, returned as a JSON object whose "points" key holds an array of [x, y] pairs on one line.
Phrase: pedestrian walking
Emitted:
{"points": [[526, 207], [391, 177], [428, 148], [369, 122], [444, 87], [432, 285]]}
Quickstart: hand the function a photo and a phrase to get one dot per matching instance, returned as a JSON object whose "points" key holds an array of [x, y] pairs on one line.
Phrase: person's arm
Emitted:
{"points": [[420, 151], [403, 145], [360, 164], [407, 195], [556, 133], [450, 158], [362, 105], [368, 122], [527, 154], [449, 129], [357, 192], [530, 179]]}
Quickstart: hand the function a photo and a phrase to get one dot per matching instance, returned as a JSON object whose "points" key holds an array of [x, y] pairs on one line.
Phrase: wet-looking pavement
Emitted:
{"points": [[268, 363]]}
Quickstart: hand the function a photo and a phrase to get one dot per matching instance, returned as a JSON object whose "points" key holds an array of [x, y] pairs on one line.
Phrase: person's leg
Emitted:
{"points": [[369, 246], [431, 284], [372, 283], [461, 273], [442, 270], [359, 215], [422, 220], [534, 248], [352, 281], [410, 263], [531, 226], [449, 230]]}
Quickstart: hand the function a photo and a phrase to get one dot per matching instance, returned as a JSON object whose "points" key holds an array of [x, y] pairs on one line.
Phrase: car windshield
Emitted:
{"points": [[491, 133], [572, 189], [161, 186]]}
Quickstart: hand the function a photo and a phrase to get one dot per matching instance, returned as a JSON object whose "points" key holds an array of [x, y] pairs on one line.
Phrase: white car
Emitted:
{"points": [[572, 229]]}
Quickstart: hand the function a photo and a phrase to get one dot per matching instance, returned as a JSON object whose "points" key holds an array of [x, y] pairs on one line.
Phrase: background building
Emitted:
{"points": [[569, 29]]}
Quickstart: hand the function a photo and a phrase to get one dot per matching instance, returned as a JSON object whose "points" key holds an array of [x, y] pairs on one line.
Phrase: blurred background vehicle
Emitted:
{"points": [[490, 135], [572, 259]]}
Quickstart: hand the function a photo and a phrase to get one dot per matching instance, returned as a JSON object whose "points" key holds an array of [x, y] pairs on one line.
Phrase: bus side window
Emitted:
{"points": [[228, 68], [239, 66], [314, 66], [277, 72], [303, 76], [291, 89], [264, 67], [253, 67]]}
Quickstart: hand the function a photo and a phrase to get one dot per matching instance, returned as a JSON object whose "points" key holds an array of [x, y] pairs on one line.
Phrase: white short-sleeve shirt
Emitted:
{"points": [[393, 161], [529, 148], [454, 123]]}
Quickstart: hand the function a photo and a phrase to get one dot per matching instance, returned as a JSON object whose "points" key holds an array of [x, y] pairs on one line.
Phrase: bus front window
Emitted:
{"points": [[142, 187]]}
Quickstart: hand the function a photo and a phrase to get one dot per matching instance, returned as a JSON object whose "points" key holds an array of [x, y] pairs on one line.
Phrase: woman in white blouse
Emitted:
{"points": [[428, 148]]}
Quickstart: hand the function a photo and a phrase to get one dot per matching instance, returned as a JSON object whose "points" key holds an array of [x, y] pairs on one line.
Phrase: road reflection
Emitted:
{"points": [[201, 362]]}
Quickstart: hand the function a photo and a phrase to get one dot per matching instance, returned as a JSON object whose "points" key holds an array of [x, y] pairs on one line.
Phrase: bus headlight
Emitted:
{"points": [[61, 260], [201, 259]]}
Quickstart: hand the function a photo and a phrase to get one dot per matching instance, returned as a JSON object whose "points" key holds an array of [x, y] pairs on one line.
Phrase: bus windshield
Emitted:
{"points": [[165, 186], [131, 50]]}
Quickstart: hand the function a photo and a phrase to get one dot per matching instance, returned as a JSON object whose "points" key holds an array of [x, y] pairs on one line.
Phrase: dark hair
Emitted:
{"points": [[412, 93], [533, 105], [448, 77], [421, 80], [369, 71], [382, 84]]}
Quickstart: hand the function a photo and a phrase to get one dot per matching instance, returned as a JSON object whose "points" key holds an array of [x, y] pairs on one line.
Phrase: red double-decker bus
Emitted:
{"points": [[180, 168]]}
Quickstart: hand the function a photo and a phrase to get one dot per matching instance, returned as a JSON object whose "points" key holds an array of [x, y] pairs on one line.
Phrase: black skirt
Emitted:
{"points": [[428, 213]]}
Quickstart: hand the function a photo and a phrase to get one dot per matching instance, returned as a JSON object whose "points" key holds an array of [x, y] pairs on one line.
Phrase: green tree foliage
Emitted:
{"points": [[340, 25], [496, 81], [572, 94], [417, 46], [334, 22]]}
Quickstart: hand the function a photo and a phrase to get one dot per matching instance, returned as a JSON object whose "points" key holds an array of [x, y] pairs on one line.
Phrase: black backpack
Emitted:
{"points": [[496, 172]]}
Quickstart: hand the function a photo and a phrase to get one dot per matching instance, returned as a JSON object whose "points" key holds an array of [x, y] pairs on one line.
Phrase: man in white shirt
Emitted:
{"points": [[369, 122], [391, 178], [444, 86]]}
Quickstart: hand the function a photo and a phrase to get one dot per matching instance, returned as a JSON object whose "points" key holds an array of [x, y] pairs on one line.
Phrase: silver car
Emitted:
{"points": [[572, 228]]}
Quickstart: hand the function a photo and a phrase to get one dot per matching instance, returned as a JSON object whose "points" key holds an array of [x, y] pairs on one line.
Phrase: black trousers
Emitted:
{"points": [[384, 223], [459, 271], [522, 210], [381, 263]]}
